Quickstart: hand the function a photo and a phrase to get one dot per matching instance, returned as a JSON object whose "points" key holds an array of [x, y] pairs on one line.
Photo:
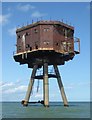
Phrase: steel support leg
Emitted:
{"points": [[30, 86], [45, 85], [60, 84]]}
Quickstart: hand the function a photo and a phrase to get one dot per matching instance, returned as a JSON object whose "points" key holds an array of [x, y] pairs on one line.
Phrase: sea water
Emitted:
{"points": [[55, 110]]}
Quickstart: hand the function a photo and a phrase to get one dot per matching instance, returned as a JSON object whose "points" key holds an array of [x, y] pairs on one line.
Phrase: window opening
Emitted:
{"points": [[57, 44], [69, 46], [36, 46], [19, 36], [27, 33], [19, 48], [65, 33], [70, 33], [46, 29], [35, 30], [30, 48], [46, 43], [64, 46], [27, 46], [61, 46]]}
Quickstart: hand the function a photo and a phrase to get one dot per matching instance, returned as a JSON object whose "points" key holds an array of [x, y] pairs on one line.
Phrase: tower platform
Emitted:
{"points": [[38, 56]]}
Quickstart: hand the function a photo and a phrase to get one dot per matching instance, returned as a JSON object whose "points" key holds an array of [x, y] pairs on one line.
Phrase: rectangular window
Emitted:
{"points": [[35, 30], [46, 43], [27, 33], [46, 29], [70, 33], [19, 47], [27, 45]]}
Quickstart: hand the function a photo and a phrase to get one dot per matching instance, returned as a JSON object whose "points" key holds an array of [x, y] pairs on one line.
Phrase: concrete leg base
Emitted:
{"points": [[66, 105], [24, 103], [46, 105]]}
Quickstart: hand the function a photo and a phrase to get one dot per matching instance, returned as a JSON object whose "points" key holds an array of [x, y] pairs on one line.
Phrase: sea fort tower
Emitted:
{"points": [[42, 44]]}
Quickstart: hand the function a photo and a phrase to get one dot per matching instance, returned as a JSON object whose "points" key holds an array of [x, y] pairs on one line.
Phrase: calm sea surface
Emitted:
{"points": [[56, 110]]}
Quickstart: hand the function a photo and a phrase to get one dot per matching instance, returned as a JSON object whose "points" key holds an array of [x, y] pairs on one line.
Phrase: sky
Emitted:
{"points": [[46, 0], [75, 73]]}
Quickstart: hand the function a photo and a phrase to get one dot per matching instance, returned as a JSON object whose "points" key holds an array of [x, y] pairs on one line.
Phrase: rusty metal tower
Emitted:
{"points": [[42, 44]]}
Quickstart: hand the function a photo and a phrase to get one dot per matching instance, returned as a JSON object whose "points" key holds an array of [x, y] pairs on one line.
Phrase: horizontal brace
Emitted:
{"points": [[49, 76]]}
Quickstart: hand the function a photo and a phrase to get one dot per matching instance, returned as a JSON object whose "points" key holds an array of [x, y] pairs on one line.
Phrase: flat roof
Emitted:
{"points": [[44, 22]]}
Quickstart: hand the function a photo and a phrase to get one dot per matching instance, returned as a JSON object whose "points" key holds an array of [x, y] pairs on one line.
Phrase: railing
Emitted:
{"points": [[76, 45], [70, 45]]}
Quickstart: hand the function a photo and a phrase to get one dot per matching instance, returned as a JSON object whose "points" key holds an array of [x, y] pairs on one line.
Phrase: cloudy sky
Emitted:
{"points": [[75, 74]]}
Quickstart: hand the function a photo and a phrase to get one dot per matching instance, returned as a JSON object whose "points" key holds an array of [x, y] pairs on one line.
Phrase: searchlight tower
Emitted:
{"points": [[42, 44]]}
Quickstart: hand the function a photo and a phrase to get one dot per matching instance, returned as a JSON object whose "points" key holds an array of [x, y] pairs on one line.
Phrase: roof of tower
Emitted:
{"points": [[44, 22]]}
